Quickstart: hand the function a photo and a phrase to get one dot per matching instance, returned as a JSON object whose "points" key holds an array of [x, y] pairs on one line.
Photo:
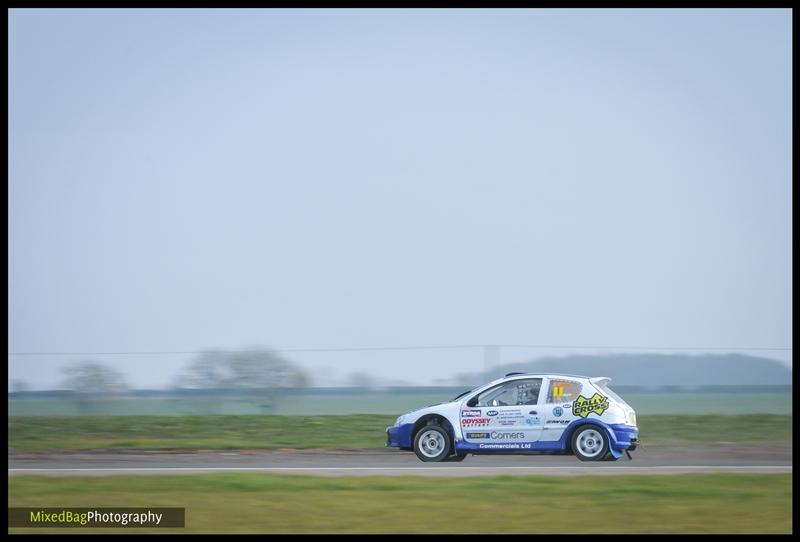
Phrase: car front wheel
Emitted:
{"points": [[589, 444], [432, 443]]}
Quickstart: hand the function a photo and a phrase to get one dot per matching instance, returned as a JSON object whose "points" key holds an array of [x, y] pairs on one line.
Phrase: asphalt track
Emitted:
{"points": [[654, 459]]}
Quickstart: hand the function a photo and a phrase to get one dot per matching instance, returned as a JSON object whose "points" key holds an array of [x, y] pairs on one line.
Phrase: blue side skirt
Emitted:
{"points": [[621, 438]]}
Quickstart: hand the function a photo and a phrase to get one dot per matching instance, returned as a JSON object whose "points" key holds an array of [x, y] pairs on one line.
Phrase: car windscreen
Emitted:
{"points": [[460, 395]]}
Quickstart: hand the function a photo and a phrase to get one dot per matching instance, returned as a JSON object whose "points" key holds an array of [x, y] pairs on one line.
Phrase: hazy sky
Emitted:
{"points": [[298, 179]]}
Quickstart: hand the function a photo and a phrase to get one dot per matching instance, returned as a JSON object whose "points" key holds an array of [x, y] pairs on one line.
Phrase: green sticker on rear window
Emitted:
{"points": [[583, 406]]}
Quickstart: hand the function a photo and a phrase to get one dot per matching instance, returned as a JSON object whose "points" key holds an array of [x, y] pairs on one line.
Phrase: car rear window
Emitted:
{"points": [[562, 391]]}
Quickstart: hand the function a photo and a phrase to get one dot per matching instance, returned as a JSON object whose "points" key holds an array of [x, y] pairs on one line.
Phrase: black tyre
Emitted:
{"points": [[456, 457], [432, 443], [609, 457], [589, 443]]}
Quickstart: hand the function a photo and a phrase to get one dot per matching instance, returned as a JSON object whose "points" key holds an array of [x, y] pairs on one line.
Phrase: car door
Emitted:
{"points": [[557, 399], [504, 417]]}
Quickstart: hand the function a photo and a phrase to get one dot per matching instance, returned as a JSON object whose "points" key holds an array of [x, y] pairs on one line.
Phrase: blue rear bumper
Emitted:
{"points": [[399, 436], [624, 437]]}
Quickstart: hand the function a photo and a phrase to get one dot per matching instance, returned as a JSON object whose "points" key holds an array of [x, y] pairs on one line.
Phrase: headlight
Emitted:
{"points": [[399, 420], [632, 418]]}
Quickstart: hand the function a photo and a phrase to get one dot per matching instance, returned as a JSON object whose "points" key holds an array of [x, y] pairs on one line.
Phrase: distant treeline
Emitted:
{"points": [[393, 390], [658, 370]]}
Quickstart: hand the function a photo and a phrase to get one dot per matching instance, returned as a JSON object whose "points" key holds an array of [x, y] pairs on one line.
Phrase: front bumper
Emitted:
{"points": [[399, 436]]}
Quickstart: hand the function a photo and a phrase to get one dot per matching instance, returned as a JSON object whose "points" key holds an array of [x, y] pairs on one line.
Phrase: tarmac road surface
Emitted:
{"points": [[649, 459]]}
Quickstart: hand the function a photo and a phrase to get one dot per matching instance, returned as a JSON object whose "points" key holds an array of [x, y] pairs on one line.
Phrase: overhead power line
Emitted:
{"points": [[389, 348], [606, 347]]}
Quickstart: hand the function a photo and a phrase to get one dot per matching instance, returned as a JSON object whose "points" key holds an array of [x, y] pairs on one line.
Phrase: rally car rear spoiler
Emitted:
{"points": [[600, 381]]}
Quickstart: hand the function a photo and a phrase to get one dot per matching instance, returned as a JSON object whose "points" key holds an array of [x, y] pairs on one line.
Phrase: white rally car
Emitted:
{"points": [[523, 414]]}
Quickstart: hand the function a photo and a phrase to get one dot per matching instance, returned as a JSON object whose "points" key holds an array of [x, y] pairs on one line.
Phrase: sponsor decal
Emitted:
{"points": [[560, 422], [513, 417], [506, 422], [507, 435], [533, 421], [511, 445], [557, 411], [475, 421], [583, 406], [491, 413], [567, 406], [497, 435], [471, 413]]}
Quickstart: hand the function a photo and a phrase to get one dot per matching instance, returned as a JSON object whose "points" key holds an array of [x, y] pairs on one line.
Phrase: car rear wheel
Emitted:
{"points": [[432, 443], [589, 443]]}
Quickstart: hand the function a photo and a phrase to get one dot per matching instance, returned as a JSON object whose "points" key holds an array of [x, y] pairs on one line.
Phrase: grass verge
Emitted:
{"points": [[265, 503], [216, 432]]}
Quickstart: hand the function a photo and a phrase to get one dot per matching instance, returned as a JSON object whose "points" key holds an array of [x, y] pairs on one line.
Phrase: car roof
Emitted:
{"points": [[514, 376], [521, 375]]}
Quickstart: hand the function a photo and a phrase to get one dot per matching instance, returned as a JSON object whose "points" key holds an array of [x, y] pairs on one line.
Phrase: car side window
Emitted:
{"points": [[562, 391], [516, 392]]}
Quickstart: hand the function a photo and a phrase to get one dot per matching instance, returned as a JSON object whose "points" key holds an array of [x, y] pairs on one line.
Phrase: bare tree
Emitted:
{"points": [[206, 371], [94, 377], [361, 379], [92, 381], [19, 386], [263, 369], [258, 372]]}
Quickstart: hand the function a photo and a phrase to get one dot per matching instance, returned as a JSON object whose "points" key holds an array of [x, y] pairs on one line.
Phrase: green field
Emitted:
{"points": [[264, 503], [355, 431]]}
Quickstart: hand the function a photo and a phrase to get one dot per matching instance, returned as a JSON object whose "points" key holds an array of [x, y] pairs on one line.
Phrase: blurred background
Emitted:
{"points": [[255, 237], [297, 211], [261, 380]]}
